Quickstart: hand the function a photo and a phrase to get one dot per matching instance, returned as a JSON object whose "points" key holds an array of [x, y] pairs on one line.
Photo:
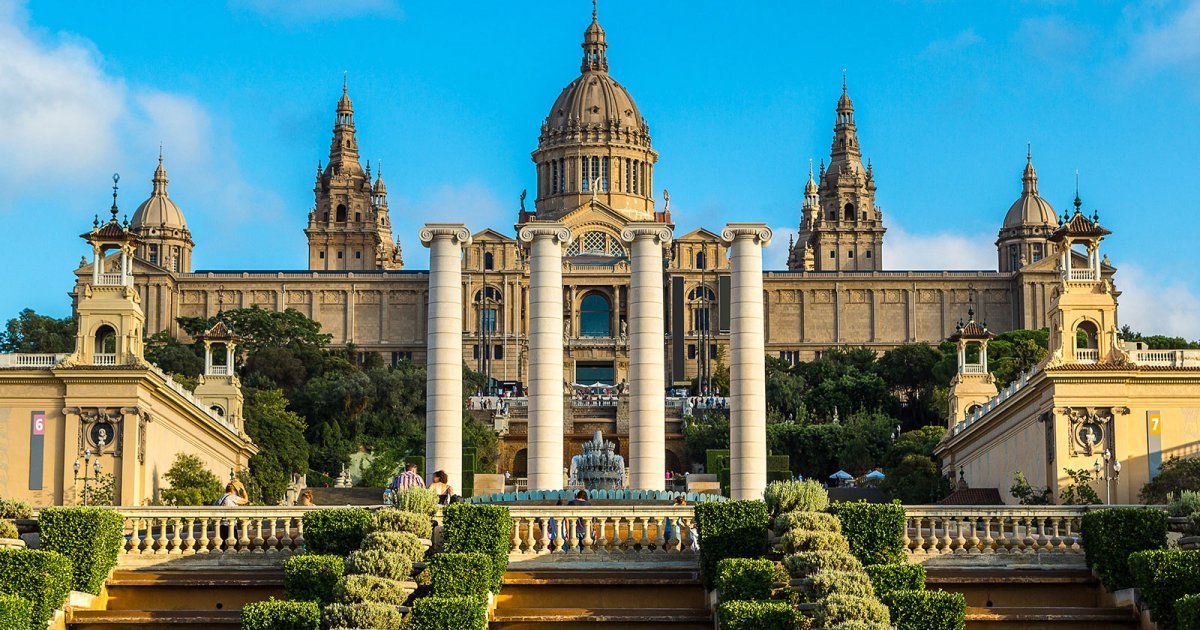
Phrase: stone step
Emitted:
{"points": [[164, 590], [988, 588], [579, 618], [154, 619], [632, 596], [1051, 618]]}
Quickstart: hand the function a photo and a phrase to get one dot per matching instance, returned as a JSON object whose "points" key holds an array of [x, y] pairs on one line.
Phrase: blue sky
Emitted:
{"points": [[739, 96]]}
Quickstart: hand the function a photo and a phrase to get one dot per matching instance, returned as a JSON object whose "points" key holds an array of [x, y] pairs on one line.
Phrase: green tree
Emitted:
{"points": [[191, 483], [279, 434], [1158, 342], [1026, 494], [867, 439], [709, 429], [480, 436], [1176, 475], [1079, 491], [173, 357], [909, 370], [1013, 353], [916, 479], [813, 449], [785, 390], [33, 333], [916, 442], [260, 328]]}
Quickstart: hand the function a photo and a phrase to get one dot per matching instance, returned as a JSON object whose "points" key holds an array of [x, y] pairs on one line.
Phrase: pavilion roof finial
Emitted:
{"points": [[116, 178]]}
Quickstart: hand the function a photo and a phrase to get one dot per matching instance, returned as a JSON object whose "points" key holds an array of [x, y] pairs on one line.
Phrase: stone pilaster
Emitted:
{"points": [[647, 360], [545, 456], [747, 365], [443, 390]]}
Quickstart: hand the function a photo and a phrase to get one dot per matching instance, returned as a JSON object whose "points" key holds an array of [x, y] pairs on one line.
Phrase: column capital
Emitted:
{"points": [[757, 231], [529, 232], [458, 232], [660, 232]]}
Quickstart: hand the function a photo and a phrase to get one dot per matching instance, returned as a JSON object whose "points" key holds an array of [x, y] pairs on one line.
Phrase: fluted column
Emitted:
{"points": [[747, 365], [647, 362], [545, 455], [443, 342]]}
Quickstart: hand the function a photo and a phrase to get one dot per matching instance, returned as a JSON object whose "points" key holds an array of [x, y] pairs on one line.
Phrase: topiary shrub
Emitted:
{"points": [[8, 529], [745, 578], [1163, 576], [875, 531], [461, 574], [1187, 612], [449, 613], [368, 588], [403, 543], [13, 508], [485, 529], [384, 564], [311, 577], [372, 615], [896, 577], [757, 615], [798, 540], [842, 608], [416, 524], [822, 584], [1111, 535], [14, 612], [42, 578], [730, 529], [795, 496], [806, 563], [416, 500], [91, 538], [926, 610], [812, 521], [275, 614], [336, 531]]}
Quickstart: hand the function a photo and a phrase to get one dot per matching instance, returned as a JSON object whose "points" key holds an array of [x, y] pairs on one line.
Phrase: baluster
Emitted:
{"points": [[543, 543], [285, 536], [920, 542], [588, 541], [531, 535], [973, 541], [573, 530], [603, 541], [1056, 541], [204, 541], [1074, 546], [173, 541], [145, 545], [1021, 534], [229, 538], [159, 544], [988, 541], [960, 542], [258, 541], [272, 540], [298, 541], [514, 545], [660, 538], [643, 542], [1041, 543], [908, 539]]}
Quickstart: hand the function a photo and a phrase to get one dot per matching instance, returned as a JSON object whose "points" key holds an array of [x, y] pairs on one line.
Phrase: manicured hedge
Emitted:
{"points": [[730, 529], [417, 500], [91, 538], [812, 521], [841, 608], [896, 577], [336, 531], [43, 578], [1110, 536], [275, 614], [311, 577], [798, 540], [368, 588], [822, 584], [8, 529], [419, 525], [926, 610], [403, 543], [1187, 612], [805, 563], [875, 530], [757, 615], [461, 574], [13, 508], [14, 612], [1164, 576], [384, 564], [745, 578], [449, 613], [795, 496], [485, 529], [362, 615]]}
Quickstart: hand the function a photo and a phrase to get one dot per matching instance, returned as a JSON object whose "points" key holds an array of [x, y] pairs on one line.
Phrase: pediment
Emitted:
{"points": [[700, 234], [491, 236]]}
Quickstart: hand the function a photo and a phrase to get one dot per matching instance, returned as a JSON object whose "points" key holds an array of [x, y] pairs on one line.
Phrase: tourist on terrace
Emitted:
{"points": [[306, 498], [581, 499], [442, 488], [408, 479]]}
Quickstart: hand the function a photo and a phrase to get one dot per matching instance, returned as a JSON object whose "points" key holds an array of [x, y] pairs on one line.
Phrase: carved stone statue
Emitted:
{"points": [[523, 191], [624, 330]]}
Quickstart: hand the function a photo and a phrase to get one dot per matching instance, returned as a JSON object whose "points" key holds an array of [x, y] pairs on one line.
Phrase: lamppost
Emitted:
{"points": [[90, 468], [1110, 473]]}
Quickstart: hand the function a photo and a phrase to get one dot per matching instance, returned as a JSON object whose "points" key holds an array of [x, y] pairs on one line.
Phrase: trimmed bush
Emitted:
{"points": [[403, 543], [91, 538], [416, 500], [806, 563], [14, 612], [795, 496], [336, 531], [799, 540], [42, 578], [1110, 536], [860, 625], [449, 613], [368, 588], [730, 529], [842, 608], [8, 529], [485, 529], [745, 578], [926, 610], [1164, 576], [1187, 612], [310, 577], [757, 615], [416, 524], [875, 531], [384, 564], [362, 615], [275, 614], [822, 584], [896, 577], [461, 574], [13, 508], [812, 521]]}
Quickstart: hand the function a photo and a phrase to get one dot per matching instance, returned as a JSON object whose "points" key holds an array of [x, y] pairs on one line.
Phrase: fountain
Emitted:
{"points": [[599, 467]]}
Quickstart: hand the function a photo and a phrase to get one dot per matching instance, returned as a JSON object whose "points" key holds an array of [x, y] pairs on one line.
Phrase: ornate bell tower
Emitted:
{"points": [[219, 388], [973, 384], [1083, 313]]}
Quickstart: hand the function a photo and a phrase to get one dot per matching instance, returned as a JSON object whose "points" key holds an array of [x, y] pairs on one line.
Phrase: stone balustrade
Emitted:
{"points": [[615, 533], [1013, 534], [31, 360]]}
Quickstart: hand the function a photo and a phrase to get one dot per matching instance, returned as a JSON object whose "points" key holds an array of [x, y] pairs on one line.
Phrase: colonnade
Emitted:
{"points": [[647, 339]]}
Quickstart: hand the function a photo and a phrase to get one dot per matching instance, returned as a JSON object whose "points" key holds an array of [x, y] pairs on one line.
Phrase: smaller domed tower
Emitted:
{"points": [[1024, 238], [1083, 312], [972, 385], [158, 223]]}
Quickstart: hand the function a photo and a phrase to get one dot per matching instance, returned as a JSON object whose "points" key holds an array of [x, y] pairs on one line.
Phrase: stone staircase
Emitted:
{"points": [[1011, 599], [602, 598], [163, 599]]}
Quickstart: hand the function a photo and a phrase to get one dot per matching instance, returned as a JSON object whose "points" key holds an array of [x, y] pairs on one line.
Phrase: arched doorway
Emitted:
{"points": [[520, 463], [106, 340]]}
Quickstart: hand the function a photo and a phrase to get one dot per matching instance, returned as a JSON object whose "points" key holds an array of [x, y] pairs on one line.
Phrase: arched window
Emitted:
{"points": [[701, 260], [341, 213], [1014, 258], [1086, 336], [849, 212], [595, 316], [106, 340], [489, 261]]}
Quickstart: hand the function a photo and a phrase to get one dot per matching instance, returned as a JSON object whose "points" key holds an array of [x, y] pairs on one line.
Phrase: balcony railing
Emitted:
{"points": [[1087, 355], [1166, 358], [104, 358], [31, 360], [111, 280], [218, 370], [1082, 275], [973, 369]]}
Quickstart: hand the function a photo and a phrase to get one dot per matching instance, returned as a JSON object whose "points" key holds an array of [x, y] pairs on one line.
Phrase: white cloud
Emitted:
{"points": [[1154, 304], [961, 41], [939, 250], [776, 254], [1172, 39], [471, 202], [1052, 39]]}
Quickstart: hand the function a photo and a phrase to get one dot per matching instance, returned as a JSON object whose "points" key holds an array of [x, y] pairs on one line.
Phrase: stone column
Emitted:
{"points": [[747, 365], [443, 389], [545, 456], [647, 359]]}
